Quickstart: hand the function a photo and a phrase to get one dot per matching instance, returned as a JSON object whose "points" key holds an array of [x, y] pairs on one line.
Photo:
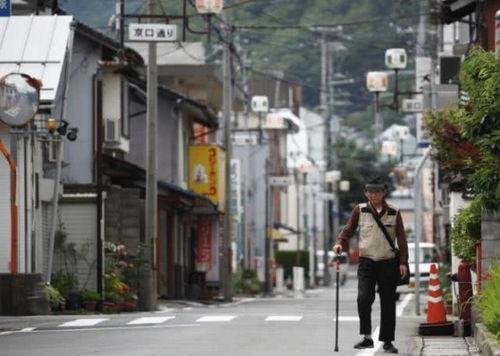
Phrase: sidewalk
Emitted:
{"points": [[445, 345]]}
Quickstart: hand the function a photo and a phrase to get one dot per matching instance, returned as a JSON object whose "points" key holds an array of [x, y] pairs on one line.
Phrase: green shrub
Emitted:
{"points": [[466, 231], [64, 282], [90, 295], [245, 281], [56, 300], [288, 260], [488, 301]]}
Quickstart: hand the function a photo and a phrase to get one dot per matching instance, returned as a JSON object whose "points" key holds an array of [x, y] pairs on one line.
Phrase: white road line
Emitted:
{"points": [[150, 320], [187, 308], [82, 322], [215, 318], [347, 318], [6, 333], [105, 328], [402, 305], [283, 318], [26, 330], [377, 344]]}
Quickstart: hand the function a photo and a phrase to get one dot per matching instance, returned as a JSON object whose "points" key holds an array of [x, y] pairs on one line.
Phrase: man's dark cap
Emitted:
{"points": [[375, 183]]}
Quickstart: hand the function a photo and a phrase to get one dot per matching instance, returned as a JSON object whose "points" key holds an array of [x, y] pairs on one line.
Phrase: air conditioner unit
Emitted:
{"points": [[111, 131]]}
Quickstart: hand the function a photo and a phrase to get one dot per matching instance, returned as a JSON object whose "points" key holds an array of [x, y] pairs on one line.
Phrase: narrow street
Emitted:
{"points": [[281, 325]]}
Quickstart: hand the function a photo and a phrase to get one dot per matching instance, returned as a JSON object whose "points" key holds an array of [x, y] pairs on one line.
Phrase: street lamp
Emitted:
{"points": [[396, 59], [377, 82]]}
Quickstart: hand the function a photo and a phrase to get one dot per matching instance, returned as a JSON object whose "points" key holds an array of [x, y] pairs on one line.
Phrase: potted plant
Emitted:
{"points": [[129, 302], [56, 300], [89, 299]]}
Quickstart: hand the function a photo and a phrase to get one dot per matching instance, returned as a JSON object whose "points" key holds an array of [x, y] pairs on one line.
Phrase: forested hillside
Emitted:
{"points": [[370, 26]]}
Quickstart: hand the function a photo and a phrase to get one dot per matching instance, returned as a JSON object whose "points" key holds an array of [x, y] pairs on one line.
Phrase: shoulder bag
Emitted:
{"points": [[406, 279]]}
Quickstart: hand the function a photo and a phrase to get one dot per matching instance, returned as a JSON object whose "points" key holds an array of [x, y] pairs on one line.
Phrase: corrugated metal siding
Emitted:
{"points": [[4, 205], [80, 221]]}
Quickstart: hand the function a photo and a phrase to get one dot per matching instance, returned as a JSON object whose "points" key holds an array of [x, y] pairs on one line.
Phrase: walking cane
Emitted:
{"points": [[337, 266]]}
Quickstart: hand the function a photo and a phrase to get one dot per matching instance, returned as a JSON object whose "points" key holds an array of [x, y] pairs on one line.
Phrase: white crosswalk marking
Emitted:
{"points": [[215, 318], [284, 318], [82, 322], [347, 318], [150, 320]]}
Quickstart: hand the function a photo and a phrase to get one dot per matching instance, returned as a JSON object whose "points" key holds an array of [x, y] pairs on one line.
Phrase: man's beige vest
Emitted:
{"points": [[372, 242]]}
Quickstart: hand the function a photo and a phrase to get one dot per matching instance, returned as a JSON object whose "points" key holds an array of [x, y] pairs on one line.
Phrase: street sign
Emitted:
{"points": [[5, 8], [244, 138], [413, 105], [279, 181], [151, 32], [326, 196]]}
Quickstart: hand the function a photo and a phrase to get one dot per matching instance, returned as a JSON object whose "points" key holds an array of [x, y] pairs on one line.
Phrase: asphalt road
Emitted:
{"points": [[287, 325]]}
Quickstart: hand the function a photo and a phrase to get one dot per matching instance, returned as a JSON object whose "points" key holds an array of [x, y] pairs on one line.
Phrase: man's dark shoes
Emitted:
{"points": [[389, 348], [364, 344]]}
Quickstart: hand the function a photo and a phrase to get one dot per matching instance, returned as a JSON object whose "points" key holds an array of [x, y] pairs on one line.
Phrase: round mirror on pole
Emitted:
{"points": [[19, 98]]}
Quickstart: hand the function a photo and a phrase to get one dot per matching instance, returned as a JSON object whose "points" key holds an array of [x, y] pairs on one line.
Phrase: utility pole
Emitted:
{"points": [[327, 105], [299, 234], [326, 109], [151, 175], [227, 109]]}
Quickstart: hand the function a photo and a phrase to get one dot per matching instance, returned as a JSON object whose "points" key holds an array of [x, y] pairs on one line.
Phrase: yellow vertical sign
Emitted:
{"points": [[206, 172]]}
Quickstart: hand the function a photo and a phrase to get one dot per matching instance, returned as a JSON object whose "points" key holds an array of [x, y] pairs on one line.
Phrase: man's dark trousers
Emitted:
{"points": [[383, 274]]}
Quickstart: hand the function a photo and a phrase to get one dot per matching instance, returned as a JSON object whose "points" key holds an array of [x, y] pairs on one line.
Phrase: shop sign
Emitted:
{"points": [[207, 172]]}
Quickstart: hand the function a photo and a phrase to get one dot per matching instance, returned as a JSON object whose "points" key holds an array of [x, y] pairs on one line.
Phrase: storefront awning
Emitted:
{"points": [[128, 174]]}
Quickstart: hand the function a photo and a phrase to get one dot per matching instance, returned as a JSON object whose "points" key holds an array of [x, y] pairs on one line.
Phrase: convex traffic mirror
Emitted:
{"points": [[19, 98]]}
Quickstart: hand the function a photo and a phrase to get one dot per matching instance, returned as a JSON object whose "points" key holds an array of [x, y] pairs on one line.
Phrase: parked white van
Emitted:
{"points": [[428, 255]]}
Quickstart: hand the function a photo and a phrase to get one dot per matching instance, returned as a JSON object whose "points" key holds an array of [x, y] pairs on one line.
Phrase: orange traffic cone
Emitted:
{"points": [[436, 312]]}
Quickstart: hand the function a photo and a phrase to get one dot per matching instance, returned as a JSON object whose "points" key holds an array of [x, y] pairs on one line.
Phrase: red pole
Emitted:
{"points": [[13, 209]]}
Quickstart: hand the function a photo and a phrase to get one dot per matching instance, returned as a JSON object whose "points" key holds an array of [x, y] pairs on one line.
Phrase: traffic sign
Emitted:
{"points": [[5, 8], [151, 32], [279, 181]]}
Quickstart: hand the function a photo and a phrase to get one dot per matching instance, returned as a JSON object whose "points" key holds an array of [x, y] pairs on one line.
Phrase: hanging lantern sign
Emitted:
{"points": [[395, 58], [376, 81], [209, 6]]}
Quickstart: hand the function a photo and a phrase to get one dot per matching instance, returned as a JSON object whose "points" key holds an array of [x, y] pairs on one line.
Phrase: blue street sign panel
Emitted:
{"points": [[5, 8]]}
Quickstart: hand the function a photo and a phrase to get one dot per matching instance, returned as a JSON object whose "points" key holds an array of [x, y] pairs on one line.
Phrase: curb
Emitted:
{"points": [[485, 341]]}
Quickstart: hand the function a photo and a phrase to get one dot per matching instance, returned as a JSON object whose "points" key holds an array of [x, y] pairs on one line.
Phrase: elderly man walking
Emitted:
{"points": [[377, 265]]}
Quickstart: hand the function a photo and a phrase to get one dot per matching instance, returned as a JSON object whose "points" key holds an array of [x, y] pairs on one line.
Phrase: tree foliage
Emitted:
{"points": [[467, 139], [357, 164]]}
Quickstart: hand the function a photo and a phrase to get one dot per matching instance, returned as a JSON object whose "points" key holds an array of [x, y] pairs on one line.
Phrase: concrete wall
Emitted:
{"points": [[124, 217], [490, 240]]}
